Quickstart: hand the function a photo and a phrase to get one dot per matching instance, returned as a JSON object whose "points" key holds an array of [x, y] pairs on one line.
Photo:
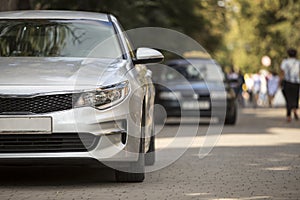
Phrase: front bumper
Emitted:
{"points": [[117, 132]]}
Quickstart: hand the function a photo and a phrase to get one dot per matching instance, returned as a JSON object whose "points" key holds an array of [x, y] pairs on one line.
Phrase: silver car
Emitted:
{"points": [[73, 89]]}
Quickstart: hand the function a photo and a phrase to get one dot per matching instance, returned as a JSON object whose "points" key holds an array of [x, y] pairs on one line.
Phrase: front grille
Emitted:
{"points": [[55, 142], [37, 105]]}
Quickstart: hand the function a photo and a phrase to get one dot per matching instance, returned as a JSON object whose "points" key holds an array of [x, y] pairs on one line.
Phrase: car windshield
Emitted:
{"points": [[210, 71], [180, 72], [196, 71], [58, 38]]}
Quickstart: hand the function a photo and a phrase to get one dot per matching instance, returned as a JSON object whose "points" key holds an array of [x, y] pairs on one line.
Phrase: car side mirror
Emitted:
{"points": [[147, 56]]}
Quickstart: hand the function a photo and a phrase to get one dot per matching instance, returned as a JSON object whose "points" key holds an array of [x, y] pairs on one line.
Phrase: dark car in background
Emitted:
{"points": [[195, 88]]}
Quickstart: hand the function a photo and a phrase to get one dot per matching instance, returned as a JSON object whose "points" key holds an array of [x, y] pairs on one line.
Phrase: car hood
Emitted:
{"points": [[40, 75]]}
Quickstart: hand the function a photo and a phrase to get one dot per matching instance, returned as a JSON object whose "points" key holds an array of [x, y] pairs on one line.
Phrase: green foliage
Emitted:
{"points": [[201, 20], [261, 27], [236, 32]]}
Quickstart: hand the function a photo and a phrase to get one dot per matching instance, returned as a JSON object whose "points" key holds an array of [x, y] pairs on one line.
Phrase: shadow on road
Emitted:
{"points": [[54, 176]]}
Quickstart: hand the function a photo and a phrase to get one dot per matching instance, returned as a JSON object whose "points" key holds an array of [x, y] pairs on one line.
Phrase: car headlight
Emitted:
{"points": [[103, 97], [218, 95], [170, 95]]}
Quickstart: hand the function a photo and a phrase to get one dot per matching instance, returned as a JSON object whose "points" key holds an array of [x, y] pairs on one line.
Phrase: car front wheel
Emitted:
{"points": [[136, 170], [150, 155], [136, 173]]}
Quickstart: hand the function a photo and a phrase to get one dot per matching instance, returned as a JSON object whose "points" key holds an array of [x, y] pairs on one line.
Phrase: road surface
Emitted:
{"points": [[259, 158]]}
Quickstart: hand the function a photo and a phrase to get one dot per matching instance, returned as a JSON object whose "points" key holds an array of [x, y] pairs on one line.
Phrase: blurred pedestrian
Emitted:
{"points": [[291, 69], [256, 89], [233, 79], [249, 85], [273, 85], [263, 88], [237, 81], [241, 82]]}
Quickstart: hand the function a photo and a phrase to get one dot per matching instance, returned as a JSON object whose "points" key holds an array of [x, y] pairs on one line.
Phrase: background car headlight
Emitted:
{"points": [[104, 97], [170, 95]]}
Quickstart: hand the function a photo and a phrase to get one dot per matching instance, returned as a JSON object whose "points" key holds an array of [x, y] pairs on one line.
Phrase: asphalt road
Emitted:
{"points": [[259, 158]]}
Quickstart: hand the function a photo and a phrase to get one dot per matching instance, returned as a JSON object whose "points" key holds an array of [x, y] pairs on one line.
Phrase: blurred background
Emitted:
{"points": [[258, 158], [238, 34]]}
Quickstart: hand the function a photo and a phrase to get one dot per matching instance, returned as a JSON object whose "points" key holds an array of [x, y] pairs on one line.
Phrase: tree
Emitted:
{"points": [[196, 18], [14, 5], [236, 32], [259, 28]]}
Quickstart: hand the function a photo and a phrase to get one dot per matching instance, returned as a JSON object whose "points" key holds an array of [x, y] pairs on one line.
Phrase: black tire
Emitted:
{"points": [[231, 119], [136, 171], [123, 176], [150, 155]]}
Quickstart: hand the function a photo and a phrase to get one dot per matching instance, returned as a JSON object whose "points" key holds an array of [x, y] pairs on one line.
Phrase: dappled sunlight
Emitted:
{"points": [[196, 194], [289, 131], [206, 196], [268, 112], [282, 157], [245, 198], [273, 137], [279, 168], [271, 133]]}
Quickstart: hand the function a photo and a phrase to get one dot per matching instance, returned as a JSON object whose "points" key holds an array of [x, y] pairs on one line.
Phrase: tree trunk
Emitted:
{"points": [[24, 5], [8, 5]]}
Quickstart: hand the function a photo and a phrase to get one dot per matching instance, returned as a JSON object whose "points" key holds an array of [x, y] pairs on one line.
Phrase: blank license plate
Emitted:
{"points": [[195, 105], [25, 125]]}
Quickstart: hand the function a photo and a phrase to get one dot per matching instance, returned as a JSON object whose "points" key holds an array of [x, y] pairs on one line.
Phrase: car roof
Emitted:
{"points": [[189, 60], [53, 14]]}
